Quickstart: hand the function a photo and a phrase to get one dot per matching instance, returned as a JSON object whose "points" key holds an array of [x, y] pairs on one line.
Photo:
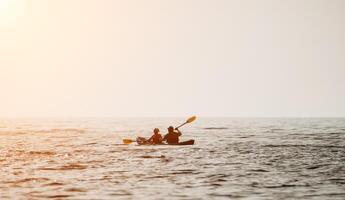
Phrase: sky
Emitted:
{"points": [[172, 58]]}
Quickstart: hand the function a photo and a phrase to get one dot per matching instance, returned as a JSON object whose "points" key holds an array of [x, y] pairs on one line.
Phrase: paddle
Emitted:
{"points": [[127, 141], [189, 120]]}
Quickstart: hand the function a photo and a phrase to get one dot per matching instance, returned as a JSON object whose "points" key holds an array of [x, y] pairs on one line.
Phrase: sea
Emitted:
{"points": [[233, 158]]}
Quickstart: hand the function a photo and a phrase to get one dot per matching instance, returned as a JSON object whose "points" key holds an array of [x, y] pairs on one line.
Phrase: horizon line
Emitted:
{"points": [[151, 117]]}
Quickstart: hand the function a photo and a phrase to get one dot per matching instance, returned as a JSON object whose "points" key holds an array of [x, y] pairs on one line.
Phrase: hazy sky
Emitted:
{"points": [[109, 58]]}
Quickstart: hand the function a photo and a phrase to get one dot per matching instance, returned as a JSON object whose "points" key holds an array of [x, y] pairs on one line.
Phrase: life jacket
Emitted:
{"points": [[157, 138], [172, 138]]}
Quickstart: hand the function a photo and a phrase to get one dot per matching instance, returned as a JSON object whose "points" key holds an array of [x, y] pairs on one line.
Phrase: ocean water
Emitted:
{"points": [[231, 159]]}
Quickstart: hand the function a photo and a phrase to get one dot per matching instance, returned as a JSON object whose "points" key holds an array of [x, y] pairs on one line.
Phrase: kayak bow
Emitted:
{"points": [[143, 141]]}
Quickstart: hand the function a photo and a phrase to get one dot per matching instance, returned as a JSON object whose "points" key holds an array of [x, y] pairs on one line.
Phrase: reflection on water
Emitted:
{"points": [[232, 158]]}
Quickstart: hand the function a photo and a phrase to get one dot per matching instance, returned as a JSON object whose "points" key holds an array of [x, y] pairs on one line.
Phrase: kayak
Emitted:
{"points": [[143, 141]]}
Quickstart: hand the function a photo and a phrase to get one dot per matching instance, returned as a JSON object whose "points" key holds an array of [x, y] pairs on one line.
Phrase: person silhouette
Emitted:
{"points": [[156, 138], [172, 137]]}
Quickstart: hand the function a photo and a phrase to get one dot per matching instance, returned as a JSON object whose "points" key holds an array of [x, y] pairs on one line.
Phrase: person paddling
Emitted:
{"points": [[172, 137], [156, 138]]}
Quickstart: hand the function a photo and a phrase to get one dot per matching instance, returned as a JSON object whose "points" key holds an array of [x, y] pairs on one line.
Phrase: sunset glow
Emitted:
{"points": [[172, 99], [4, 4], [133, 58], [7, 7]]}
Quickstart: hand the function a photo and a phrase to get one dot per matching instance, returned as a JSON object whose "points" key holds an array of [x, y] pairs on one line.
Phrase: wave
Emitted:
{"points": [[42, 131], [74, 130], [58, 196], [41, 153], [25, 180], [305, 145], [75, 190], [146, 156], [54, 184], [216, 128], [71, 166]]}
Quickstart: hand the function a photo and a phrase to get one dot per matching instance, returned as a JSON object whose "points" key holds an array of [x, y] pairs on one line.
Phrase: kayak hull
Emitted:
{"points": [[142, 141], [188, 142]]}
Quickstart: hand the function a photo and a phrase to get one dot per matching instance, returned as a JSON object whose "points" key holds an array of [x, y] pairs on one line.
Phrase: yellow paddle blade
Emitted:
{"points": [[191, 119], [127, 141]]}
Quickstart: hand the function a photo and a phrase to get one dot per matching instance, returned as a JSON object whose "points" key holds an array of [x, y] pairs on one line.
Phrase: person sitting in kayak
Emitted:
{"points": [[172, 137], [156, 138]]}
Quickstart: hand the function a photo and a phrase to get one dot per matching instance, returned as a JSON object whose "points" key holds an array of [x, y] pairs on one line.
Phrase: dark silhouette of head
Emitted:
{"points": [[156, 131], [171, 129]]}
